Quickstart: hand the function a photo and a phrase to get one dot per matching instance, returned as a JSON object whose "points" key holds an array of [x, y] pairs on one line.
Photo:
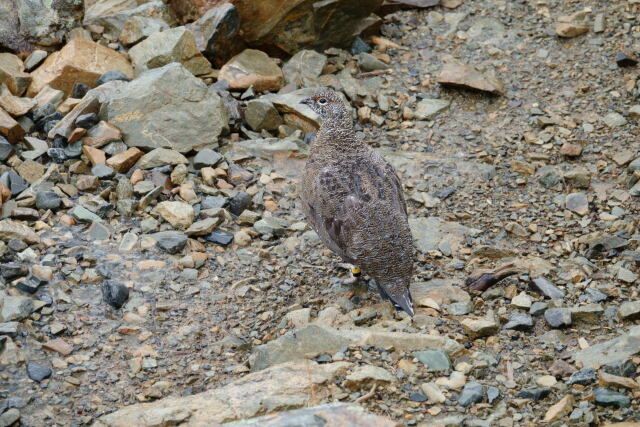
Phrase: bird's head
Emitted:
{"points": [[326, 103]]}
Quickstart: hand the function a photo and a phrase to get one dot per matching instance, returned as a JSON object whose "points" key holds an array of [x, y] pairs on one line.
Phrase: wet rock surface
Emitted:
{"points": [[155, 267]]}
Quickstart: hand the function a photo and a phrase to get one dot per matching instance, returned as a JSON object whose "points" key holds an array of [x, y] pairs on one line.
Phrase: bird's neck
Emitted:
{"points": [[337, 134]]}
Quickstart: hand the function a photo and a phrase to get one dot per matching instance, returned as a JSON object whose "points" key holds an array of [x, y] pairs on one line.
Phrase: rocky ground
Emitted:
{"points": [[156, 268]]}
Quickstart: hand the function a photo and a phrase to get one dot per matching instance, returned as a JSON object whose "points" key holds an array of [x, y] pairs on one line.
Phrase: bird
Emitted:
{"points": [[353, 198]]}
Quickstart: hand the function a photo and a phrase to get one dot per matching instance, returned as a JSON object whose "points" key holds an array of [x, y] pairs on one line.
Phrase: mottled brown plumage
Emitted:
{"points": [[353, 199]]}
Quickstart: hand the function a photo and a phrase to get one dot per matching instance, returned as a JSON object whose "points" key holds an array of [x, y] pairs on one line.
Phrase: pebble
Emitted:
{"points": [[519, 322], [558, 317], [472, 392], [534, 393], [522, 300], [38, 372], [48, 200], [114, 293], [622, 368], [220, 237], [435, 360], [172, 242], [607, 397], [584, 376]]}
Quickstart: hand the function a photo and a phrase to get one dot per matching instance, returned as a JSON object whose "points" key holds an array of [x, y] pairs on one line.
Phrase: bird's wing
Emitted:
{"points": [[388, 174]]}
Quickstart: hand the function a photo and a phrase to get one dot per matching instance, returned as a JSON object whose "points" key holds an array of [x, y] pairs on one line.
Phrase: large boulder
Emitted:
{"points": [[291, 25], [287, 386], [215, 33], [252, 68], [80, 61], [162, 48], [166, 107], [113, 14]]}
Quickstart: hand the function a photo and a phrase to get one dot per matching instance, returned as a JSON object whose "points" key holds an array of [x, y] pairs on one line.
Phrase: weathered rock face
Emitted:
{"points": [[286, 386], [162, 48], [252, 68], [215, 33], [26, 23], [112, 14], [81, 61], [291, 25], [138, 28], [166, 108]]}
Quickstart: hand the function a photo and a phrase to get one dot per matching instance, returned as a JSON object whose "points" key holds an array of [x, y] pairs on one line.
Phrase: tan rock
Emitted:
{"points": [[14, 105], [49, 96], [16, 230], [571, 150], [76, 135], [174, 45], [287, 386], [30, 171], [179, 214], [151, 264], [524, 168], [573, 25], [68, 104], [95, 155], [59, 346], [124, 161], [81, 61], [9, 128], [203, 227], [252, 67], [563, 407], [457, 73], [12, 73], [102, 134], [609, 380]]}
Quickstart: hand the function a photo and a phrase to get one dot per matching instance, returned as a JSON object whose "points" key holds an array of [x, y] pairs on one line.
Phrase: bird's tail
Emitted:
{"points": [[401, 299]]}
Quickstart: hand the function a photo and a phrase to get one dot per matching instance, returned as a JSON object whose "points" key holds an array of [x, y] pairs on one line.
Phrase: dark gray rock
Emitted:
{"points": [[172, 242], [535, 393], [87, 121], [38, 372], [13, 182], [215, 33], [417, 396], [592, 295], [239, 203], [558, 317], [220, 237], [6, 149], [11, 270], [103, 171], [74, 150], [79, 90], [114, 293], [519, 322], [472, 392], [30, 285], [621, 368], [546, 288], [110, 76], [607, 397], [206, 157], [583, 376], [48, 200]]}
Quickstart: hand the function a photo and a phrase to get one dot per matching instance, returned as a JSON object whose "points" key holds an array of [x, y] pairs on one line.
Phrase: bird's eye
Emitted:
{"points": [[322, 101]]}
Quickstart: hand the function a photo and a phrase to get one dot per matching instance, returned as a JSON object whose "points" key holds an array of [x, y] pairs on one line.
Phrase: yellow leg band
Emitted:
{"points": [[356, 271]]}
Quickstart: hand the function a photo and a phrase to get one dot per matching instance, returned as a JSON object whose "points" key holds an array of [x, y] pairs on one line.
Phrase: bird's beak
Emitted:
{"points": [[306, 101]]}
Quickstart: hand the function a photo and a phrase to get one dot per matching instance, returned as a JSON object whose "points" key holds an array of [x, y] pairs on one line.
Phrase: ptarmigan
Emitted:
{"points": [[353, 199]]}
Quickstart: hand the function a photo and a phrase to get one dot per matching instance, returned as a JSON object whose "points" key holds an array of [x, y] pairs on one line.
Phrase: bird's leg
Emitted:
{"points": [[481, 281]]}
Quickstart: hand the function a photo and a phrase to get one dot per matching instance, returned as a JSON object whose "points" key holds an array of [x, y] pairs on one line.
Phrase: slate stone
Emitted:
{"points": [[472, 392], [220, 237], [493, 393], [621, 368], [12, 270], [172, 242], [38, 372], [110, 76], [30, 285], [79, 90], [519, 322], [114, 293], [435, 360], [6, 149], [535, 393], [48, 200], [206, 157], [103, 171], [607, 397], [239, 203], [87, 121], [212, 202], [546, 288], [558, 317], [583, 376]]}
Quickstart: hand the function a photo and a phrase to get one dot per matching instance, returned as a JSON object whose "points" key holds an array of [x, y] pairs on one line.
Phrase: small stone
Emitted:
{"points": [[546, 288], [124, 161], [522, 300], [220, 237], [538, 308], [10, 417], [606, 397], [578, 203], [584, 376], [492, 394], [626, 275], [546, 381], [59, 346], [624, 60], [110, 76], [9, 128], [172, 242], [569, 26], [534, 393], [87, 121], [178, 214], [629, 310], [261, 114], [83, 214], [519, 322], [34, 59], [206, 157], [432, 391], [589, 313], [634, 112], [270, 226], [622, 368], [473, 392], [12, 73], [571, 150], [203, 227], [48, 200], [31, 284], [605, 379], [114, 293], [9, 328], [435, 360], [161, 157], [252, 68], [477, 328], [429, 108], [614, 120], [558, 317], [38, 372], [367, 374], [560, 409], [138, 28], [102, 171], [95, 155], [15, 308], [456, 73]]}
